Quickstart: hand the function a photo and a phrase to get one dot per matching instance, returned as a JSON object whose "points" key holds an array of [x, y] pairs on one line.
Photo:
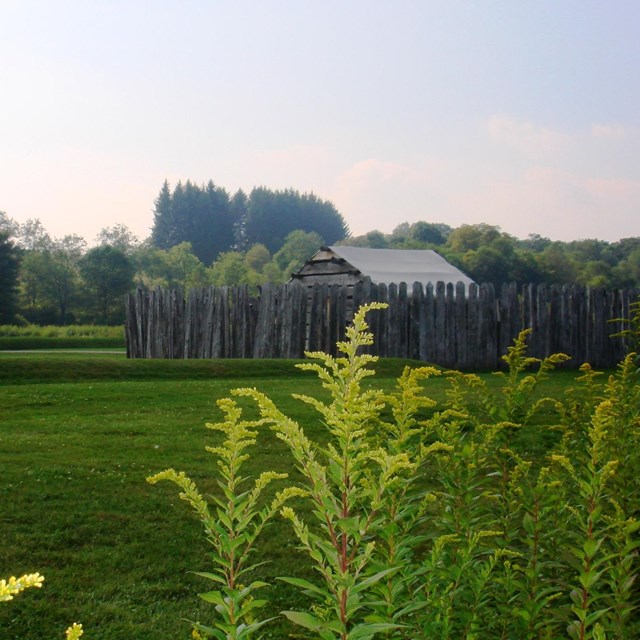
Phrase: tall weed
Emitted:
{"points": [[464, 519]]}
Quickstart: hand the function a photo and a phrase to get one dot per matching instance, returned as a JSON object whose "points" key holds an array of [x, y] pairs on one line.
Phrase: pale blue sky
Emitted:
{"points": [[522, 114]]}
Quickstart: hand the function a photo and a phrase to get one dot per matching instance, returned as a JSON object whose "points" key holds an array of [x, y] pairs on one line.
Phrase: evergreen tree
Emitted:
{"points": [[201, 216], [9, 265], [239, 205], [163, 232], [273, 215]]}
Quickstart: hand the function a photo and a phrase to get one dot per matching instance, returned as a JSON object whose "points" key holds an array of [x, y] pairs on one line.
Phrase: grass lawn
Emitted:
{"points": [[78, 436]]}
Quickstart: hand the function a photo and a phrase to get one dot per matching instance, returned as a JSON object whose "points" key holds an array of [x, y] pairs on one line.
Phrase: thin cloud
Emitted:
{"points": [[543, 198], [601, 130], [375, 194], [524, 134]]}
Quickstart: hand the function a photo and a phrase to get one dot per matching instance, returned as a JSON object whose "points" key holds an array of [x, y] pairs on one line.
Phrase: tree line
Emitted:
{"points": [[488, 254], [214, 222], [202, 235]]}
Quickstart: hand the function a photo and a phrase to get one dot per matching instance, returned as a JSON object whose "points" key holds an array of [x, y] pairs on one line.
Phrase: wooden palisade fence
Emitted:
{"points": [[452, 326]]}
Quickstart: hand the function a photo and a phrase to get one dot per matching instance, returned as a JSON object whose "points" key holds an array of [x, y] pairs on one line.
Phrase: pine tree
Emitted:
{"points": [[9, 265]]}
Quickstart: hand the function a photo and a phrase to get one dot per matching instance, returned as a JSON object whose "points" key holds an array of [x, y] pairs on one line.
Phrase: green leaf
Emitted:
{"points": [[252, 604], [258, 584], [248, 630], [216, 597], [588, 579], [349, 525], [305, 584], [371, 580], [363, 631], [216, 633], [302, 619], [209, 576], [528, 523], [591, 547]]}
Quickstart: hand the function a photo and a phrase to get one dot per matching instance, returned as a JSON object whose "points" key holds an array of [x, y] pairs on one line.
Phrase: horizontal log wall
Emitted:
{"points": [[452, 326]]}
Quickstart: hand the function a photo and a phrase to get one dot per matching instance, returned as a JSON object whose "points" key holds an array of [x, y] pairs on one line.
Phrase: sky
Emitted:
{"points": [[522, 114]]}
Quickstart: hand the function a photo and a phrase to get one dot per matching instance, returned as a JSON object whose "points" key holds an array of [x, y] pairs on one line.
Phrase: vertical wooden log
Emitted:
{"points": [[284, 325], [153, 324], [380, 320], [393, 329], [241, 321], [315, 318], [554, 321], [216, 347], [403, 321], [188, 336], [450, 327], [461, 338], [429, 327], [177, 304], [142, 311], [331, 313], [261, 312], [416, 303], [599, 328], [509, 317], [487, 328], [589, 326], [233, 320], [253, 303], [441, 319], [526, 321], [578, 325], [299, 305], [538, 340], [344, 300], [130, 331], [370, 292], [566, 321], [473, 337], [357, 298]]}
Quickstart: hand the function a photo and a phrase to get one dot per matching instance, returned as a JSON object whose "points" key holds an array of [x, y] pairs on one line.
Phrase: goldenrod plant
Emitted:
{"points": [[11, 587], [347, 482], [232, 527], [631, 331], [74, 632], [437, 521]]}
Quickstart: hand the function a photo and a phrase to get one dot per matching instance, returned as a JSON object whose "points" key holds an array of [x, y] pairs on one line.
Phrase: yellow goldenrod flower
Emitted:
{"points": [[13, 586], [74, 632]]}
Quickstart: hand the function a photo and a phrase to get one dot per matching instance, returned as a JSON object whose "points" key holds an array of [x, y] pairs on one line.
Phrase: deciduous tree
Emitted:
{"points": [[107, 275], [298, 247], [120, 237]]}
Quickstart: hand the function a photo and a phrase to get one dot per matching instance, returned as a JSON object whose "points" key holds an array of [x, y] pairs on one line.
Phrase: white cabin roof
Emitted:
{"points": [[401, 265]]}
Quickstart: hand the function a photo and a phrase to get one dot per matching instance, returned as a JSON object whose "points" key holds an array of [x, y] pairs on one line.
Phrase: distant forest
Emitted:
{"points": [[202, 235]]}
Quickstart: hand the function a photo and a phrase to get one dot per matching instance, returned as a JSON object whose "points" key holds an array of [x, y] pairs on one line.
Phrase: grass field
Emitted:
{"points": [[78, 436], [14, 338]]}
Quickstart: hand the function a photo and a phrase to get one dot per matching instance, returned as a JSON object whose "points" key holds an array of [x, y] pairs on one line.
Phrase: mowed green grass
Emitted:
{"points": [[78, 436]]}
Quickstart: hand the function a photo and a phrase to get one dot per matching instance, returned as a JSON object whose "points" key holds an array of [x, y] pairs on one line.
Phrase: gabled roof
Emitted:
{"points": [[401, 265]]}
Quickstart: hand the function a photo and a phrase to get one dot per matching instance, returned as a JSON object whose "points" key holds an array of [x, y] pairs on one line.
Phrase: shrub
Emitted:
{"points": [[443, 522]]}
